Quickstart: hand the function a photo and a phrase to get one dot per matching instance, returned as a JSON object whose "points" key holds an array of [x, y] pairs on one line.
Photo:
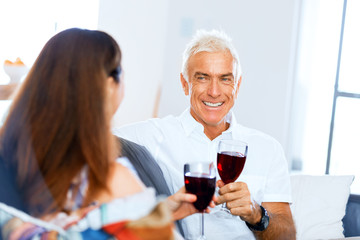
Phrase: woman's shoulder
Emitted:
{"points": [[123, 181]]}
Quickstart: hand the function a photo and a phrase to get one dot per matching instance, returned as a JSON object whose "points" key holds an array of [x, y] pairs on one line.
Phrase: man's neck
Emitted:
{"points": [[213, 132]]}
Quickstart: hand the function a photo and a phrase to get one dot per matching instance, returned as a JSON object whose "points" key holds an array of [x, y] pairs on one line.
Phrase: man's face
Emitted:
{"points": [[211, 86]]}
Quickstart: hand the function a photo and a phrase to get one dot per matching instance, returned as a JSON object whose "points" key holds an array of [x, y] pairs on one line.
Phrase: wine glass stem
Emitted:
{"points": [[202, 225]]}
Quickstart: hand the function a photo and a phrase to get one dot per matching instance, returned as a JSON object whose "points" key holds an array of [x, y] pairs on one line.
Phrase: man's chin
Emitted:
{"points": [[214, 122], [211, 120]]}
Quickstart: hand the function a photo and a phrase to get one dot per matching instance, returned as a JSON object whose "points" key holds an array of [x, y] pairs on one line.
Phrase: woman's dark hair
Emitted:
{"points": [[59, 122]]}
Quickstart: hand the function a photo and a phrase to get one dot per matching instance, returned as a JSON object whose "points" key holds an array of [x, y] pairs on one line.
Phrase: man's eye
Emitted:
{"points": [[226, 80], [201, 78]]}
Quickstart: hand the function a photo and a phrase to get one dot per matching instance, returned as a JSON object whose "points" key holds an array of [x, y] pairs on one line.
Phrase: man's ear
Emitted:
{"points": [[184, 84], [238, 86]]}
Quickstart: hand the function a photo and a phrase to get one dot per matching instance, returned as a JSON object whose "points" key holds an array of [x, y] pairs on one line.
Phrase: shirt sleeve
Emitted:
{"points": [[277, 187]]}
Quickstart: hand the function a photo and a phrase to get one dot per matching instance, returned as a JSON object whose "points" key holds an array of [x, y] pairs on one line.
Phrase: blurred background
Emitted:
{"points": [[300, 61]]}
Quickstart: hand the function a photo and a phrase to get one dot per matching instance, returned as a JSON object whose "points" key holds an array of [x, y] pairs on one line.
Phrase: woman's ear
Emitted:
{"points": [[184, 84], [110, 86], [115, 93]]}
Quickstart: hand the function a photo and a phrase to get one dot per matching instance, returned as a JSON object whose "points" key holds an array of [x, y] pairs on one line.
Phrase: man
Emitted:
{"points": [[259, 199]]}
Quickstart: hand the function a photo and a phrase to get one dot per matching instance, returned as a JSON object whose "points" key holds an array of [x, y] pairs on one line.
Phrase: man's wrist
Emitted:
{"points": [[263, 224]]}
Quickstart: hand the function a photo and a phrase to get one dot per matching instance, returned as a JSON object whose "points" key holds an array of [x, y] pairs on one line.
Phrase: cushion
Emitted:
{"points": [[151, 222], [319, 204]]}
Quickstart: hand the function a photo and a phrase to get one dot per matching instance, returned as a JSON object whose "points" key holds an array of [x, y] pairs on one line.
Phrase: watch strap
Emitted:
{"points": [[263, 224]]}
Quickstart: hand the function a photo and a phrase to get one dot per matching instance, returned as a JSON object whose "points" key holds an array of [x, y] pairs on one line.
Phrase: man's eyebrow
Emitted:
{"points": [[201, 74], [227, 75]]}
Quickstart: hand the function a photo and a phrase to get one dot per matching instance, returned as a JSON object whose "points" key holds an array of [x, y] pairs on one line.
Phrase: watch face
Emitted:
{"points": [[265, 218]]}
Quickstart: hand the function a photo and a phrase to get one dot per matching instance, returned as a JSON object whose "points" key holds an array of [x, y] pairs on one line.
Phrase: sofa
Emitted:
{"points": [[323, 207], [351, 220]]}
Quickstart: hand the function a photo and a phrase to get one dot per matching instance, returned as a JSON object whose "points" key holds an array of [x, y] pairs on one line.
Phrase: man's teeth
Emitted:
{"points": [[213, 104]]}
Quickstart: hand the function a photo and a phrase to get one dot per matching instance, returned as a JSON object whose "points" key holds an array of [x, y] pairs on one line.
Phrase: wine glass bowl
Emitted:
{"points": [[231, 158], [200, 179], [230, 165]]}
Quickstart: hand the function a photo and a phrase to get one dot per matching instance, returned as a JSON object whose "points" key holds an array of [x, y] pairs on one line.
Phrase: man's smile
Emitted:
{"points": [[210, 104]]}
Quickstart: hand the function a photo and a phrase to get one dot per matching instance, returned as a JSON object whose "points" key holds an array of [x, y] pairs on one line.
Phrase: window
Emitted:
{"points": [[344, 140], [25, 27], [326, 126]]}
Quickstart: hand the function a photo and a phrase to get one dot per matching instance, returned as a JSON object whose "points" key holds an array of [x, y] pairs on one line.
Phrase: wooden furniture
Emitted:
{"points": [[7, 90]]}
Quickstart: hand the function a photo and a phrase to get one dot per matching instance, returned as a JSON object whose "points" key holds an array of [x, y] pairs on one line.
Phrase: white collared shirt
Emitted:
{"points": [[174, 141]]}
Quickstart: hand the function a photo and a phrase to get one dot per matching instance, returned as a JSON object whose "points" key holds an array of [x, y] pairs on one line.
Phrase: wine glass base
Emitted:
{"points": [[225, 210], [224, 213]]}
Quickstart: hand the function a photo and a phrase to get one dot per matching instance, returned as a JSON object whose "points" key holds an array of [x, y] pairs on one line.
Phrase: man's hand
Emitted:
{"points": [[238, 201], [181, 204]]}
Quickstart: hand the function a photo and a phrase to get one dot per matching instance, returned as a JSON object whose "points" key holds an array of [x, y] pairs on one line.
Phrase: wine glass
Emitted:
{"points": [[200, 179], [231, 158]]}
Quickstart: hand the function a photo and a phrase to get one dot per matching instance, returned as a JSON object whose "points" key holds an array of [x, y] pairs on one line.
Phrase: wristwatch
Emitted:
{"points": [[263, 224]]}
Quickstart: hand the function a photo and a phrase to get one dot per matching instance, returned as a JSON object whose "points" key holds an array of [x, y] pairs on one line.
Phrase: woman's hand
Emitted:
{"points": [[181, 204]]}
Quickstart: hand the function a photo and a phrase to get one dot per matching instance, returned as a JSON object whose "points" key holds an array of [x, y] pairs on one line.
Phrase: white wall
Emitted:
{"points": [[154, 33], [140, 29]]}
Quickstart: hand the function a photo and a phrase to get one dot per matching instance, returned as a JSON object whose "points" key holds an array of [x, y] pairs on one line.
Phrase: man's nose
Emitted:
{"points": [[214, 88]]}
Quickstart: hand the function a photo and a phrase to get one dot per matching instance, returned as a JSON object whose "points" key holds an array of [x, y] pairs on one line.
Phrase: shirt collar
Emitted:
{"points": [[190, 124]]}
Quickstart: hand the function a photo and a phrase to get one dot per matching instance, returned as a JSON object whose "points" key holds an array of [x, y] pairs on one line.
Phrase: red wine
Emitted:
{"points": [[203, 187], [230, 165]]}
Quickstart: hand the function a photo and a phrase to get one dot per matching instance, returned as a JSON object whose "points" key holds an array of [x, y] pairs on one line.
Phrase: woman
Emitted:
{"points": [[57, 141]]}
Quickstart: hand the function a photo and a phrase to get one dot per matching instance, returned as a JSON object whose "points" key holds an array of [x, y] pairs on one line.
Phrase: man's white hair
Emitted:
{"points": [[210, 41]]}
